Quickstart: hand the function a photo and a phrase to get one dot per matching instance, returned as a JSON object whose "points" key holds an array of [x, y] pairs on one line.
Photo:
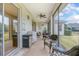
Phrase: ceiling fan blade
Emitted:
{"points": [[44, 16]]}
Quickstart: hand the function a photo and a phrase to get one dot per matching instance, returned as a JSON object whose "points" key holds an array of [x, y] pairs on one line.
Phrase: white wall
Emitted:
{"points": [[26, 24]]}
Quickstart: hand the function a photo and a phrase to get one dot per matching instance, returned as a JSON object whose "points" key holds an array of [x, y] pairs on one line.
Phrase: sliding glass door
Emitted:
{"points": [[1, 29], [6, 34], [56, 25], [10, 27]]}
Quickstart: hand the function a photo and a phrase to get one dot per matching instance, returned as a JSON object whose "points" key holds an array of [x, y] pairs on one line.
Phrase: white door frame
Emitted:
{"points": [[18, 43]]}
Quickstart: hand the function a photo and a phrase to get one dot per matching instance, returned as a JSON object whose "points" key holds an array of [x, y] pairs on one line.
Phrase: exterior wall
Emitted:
{"points": [[26, 24]]}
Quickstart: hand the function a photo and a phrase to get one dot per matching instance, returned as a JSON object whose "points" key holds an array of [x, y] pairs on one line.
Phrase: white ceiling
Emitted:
{"points": [[37, 8]]}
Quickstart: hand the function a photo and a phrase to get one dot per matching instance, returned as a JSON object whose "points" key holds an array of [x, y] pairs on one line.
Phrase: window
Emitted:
{"points": [[1, 29], [69, 16]]}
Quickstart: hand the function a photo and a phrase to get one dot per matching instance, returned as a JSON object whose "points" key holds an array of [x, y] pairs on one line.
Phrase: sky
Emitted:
{"points": [[6, 20], [70, 13]]}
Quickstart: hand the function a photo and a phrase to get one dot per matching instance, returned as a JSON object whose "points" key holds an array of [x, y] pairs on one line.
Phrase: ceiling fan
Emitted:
{"points": [[42, 15]]}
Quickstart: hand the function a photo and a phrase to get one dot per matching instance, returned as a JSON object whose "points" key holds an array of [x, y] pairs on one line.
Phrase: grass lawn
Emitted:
{"points": [[69, 41], [6, 36]]}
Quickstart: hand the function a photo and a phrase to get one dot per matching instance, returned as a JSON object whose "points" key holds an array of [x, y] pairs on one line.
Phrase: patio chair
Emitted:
{"points": [[60, 51], [48, 40], [53, 39]]}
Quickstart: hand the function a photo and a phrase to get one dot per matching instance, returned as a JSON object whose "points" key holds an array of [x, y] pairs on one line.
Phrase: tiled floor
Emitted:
{"points": [[37, 49]]}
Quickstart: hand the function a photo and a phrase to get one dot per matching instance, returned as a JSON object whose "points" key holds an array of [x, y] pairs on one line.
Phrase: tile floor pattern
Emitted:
{"points": [[37, 49]]}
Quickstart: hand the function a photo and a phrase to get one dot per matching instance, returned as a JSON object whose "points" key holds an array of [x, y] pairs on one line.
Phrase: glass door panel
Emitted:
{"points": [[6, 33], [69, 28], [56, 25], [10, 28], [1, 29]]}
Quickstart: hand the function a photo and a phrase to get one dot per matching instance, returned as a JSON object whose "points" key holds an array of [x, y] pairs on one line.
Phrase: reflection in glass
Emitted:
{"points": [[10, 28], [1, 29], [14, 25], [56, 26], [69, 34], [6, 33]]}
